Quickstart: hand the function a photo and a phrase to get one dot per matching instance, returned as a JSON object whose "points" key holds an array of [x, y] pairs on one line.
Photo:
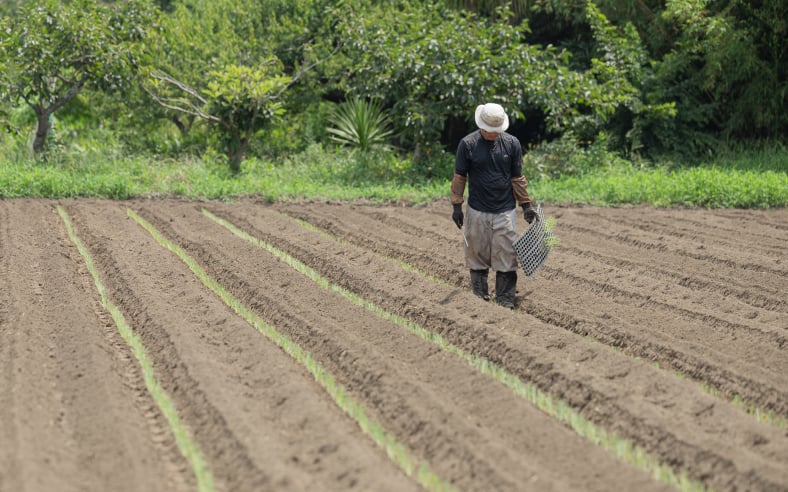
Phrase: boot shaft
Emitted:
{"points": [[505, 288], [479, 284]]}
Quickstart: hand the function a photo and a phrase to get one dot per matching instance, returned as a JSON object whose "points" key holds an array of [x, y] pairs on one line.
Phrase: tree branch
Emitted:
{"points": [[306, 69], [163, 77], [170, 103]]}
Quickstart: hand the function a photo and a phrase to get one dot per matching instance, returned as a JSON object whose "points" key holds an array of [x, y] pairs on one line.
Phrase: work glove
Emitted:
{"points": [[528, 212], [456, 216]]}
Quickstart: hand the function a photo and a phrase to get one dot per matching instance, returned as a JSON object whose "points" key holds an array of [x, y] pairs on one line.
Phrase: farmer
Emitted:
{"points": [[491, 161]]}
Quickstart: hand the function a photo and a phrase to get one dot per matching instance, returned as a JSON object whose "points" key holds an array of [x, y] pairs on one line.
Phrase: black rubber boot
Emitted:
{"points": [[505, 287], [479, 284]]}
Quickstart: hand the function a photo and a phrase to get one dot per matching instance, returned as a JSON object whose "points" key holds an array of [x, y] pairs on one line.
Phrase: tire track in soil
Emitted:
{"points": [[69, 406], [474, 444], [705, 358], [681, 411], [226, 380]]}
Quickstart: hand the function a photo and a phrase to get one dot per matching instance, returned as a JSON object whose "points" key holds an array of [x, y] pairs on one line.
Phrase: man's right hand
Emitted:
{"points": [[456, 216], [528, 213]]}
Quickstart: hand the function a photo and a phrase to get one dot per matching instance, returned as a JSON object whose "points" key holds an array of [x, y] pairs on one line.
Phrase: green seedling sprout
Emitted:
{"points": [[550, 239]]}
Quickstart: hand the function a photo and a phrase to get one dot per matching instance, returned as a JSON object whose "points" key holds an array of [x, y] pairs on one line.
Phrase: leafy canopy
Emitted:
{"points": [[429, 63], [51, 50]]}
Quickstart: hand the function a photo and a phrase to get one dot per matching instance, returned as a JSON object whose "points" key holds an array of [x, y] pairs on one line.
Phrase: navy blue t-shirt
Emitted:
{"points": [[490, 167]]}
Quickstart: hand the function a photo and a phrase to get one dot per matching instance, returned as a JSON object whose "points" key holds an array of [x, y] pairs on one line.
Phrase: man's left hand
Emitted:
{"points": [[529, 213]]}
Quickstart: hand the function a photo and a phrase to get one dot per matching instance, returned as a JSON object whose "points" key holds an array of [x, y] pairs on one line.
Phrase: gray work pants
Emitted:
{"points": [[490, 240]]}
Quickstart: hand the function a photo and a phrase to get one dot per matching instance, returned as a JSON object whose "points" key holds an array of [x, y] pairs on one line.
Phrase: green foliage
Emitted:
{"points": [[568, 156], [360, 124], [714, 185], [431, 65], [755, 179], [217, 65], [10, 7], [726, 68], [721, 64], [52, 50], [492, 8], [243, 100], [624, 70], [596, 78], [550, 239]]}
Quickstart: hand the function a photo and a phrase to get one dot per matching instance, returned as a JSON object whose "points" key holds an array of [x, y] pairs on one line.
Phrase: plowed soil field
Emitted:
{"points": [[175, 345]]}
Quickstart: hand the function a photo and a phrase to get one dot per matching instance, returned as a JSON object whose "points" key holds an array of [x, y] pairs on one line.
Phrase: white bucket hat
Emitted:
{"points": [[492, 118]]}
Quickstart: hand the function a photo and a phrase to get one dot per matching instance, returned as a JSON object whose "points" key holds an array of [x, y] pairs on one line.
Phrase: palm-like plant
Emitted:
{"points": [[360, 124]]}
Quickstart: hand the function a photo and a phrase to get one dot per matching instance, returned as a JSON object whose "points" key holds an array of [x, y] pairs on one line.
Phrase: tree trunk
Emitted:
{"points": [[42, 130], [235, 153]]}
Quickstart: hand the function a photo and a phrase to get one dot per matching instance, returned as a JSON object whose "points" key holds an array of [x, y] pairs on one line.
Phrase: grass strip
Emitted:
{"points": [[395, 450], [620, 447], [183, 438]]}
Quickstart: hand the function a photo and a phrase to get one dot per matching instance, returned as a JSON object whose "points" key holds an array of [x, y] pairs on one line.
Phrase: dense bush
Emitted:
{"points": [[258, 79]]}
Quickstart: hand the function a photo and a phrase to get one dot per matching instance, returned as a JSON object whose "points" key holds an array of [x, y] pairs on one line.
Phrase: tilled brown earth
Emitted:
{"points": [[648, 323]]}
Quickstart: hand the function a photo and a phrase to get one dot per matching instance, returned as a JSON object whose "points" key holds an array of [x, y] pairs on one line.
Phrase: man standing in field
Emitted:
{"points": [[491, 162]]}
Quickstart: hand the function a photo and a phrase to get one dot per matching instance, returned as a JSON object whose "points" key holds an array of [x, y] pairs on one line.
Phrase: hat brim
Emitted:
{"points": [[484, 126]]}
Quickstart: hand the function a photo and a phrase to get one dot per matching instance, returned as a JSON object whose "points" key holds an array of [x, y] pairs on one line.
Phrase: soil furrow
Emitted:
{"points": [[254, 413], [527, 353], [760, 282], [725, 289], [78, 423], [174, 373], [400, 246], [402, 378], [8, 355], [651, 245], [668, 354], [760, 217], [725, 328], [635, 307], [667, 329], [699, 232]]}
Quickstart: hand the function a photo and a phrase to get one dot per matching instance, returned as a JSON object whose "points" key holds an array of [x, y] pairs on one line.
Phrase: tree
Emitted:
{"points": [[218, 61], [432, 65], [52, 50], [620, 63], [239, 100], [723, 64], [728, 59]]}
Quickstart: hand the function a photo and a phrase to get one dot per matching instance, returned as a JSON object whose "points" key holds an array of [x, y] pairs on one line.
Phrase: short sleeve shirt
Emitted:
{"points": [[490, 167]]}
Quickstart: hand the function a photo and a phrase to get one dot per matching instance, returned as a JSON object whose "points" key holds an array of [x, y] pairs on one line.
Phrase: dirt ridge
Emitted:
{"points": [[176, 380], [184, 354], [613, 416], [638, 307], [447, 269], [422, 430]]}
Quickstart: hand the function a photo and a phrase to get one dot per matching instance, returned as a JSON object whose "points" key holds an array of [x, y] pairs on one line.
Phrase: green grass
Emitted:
{"points": [[704, 186], [312, 175], [395, 450], [618, 446], [183, 438], [744, 179]]}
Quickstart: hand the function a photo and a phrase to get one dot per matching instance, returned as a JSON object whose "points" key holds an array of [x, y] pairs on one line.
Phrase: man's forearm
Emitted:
{"points": [[458, 189], [520, 189]]}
